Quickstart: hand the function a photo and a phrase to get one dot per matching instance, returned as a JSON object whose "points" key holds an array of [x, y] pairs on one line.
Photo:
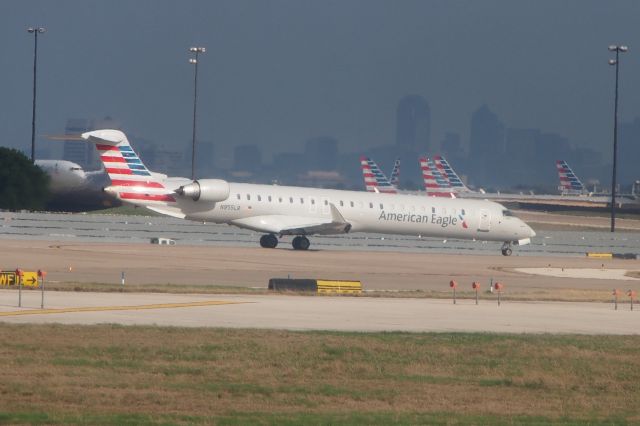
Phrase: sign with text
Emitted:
{"points": [[29, 279]]}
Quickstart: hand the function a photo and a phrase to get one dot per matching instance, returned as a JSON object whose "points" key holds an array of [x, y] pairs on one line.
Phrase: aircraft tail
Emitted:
{"points": [[447, 171], [374, 179], [434, 183], [131, 181], [395, 174], [569, 182]]}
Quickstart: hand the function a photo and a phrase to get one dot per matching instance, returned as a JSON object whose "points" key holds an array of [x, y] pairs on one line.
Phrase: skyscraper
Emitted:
{"points": [[74, 150], [486, 146], [413, 124], [321, 153]]}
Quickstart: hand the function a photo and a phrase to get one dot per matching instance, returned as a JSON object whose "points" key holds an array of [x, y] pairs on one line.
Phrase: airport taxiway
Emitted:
{"points": [[319, 313], [98, 249]]}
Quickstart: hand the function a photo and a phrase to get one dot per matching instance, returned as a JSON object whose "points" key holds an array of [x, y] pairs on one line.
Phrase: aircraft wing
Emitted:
{"points": [[296, 225]]}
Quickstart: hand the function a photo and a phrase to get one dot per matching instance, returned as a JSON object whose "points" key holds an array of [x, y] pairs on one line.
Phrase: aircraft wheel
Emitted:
{"points": [[268, 241], [300, 243], [506, 252]]}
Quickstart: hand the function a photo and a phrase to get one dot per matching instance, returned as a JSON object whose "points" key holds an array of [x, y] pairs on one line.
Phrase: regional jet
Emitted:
{"points": [[277, 211], [73, 189]]}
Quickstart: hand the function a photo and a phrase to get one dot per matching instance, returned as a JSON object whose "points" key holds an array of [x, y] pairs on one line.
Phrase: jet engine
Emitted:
{"points": [[212, 190]]}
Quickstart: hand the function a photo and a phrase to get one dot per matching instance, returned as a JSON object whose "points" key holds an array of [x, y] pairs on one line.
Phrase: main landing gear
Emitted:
{"points": [[300, 243], [268, 241], [506, 249], [271, 241]]}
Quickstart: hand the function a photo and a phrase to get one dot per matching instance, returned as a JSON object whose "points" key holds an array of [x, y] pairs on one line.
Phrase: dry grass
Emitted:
{"points": [[512, 293], [114, 375]]}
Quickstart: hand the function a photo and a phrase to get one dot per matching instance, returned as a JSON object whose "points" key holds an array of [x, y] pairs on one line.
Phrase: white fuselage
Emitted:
{"points": [[251, 206]]}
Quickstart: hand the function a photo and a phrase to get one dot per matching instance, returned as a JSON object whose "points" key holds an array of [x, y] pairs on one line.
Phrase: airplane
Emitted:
{"points": [[449, 174], [395, 174], [277, 211], [374, 179], [73, 189], [435, 183], [569, 182]]}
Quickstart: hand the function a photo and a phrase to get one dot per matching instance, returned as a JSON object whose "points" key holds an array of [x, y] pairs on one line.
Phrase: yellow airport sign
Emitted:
{"points": [[29, 278]]}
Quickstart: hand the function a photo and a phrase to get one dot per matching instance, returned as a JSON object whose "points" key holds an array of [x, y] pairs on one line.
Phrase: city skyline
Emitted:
{"points": [[279, 73]]}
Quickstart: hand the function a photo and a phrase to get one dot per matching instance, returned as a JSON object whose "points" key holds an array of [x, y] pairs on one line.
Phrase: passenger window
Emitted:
{"points": [[248, 197], [341, 203], [269, 198], [313, 201], [238, 196], [291, 200], [259, 198], [433, 209], [326, 203], [280, 199], [463, 213], [370, 205], [351, 203], [381, 206], [301, 200]]}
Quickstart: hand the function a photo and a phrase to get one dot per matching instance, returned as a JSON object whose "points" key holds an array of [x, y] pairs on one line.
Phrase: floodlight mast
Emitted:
{"points": [[615, 62], [194, 61], [35, 31]]}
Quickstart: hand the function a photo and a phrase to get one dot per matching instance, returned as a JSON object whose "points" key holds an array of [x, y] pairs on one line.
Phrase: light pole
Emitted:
{"points": [[35, 31], [194, 61], [616, 62]]}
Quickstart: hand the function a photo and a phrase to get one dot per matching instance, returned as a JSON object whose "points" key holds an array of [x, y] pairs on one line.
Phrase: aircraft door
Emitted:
{"points": [[313, 205], [324, 201], [484, 225]]}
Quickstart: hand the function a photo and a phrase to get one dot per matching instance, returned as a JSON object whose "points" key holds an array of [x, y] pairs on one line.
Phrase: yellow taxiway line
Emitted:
{"points": [[118, 308]]}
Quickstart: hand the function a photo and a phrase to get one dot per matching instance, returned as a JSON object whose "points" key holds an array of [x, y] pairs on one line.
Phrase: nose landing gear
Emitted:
{"points": [[506, 249]]}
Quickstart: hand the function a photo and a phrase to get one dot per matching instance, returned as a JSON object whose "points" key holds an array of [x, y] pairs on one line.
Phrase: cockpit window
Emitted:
{"points": [[507, 213]]}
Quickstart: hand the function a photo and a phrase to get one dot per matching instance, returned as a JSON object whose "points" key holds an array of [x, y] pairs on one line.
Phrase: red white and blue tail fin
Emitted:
{"points": [[434, 183], [395, 174], [374, 179], [131, 181], [569, 182], [452, 177]]}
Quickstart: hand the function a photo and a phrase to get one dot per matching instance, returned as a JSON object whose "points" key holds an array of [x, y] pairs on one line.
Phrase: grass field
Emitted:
{"points": [[54, 374]]}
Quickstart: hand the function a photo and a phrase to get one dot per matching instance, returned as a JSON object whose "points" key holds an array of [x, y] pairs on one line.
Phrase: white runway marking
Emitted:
{"points": [[586, 273]]}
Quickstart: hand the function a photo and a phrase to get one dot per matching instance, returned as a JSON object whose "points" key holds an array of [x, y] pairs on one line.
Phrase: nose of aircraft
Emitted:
{"points": [[528, 230]]}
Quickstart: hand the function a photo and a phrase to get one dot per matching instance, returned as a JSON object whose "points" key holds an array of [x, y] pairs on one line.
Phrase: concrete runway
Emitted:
{"points": [[318, 313]]}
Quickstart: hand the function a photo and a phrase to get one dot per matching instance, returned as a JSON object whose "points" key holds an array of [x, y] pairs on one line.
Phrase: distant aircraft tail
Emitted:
{"points": [[434, 183], [374, 179], [395, 174], [447, 171], [569, 182], [131, 181]]}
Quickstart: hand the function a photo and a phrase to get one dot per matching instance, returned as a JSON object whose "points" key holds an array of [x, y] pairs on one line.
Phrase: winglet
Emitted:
{"points": [[338, 219]]}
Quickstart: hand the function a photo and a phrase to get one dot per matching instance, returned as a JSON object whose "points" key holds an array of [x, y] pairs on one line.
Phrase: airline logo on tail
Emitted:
{"points": [[569, 182], [130, 179], [395, 174], [447, 171], [374, 179], [435, 183]]}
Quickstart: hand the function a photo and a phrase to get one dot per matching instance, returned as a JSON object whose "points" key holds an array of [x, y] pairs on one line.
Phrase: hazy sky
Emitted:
{"points": [[279, 72]]}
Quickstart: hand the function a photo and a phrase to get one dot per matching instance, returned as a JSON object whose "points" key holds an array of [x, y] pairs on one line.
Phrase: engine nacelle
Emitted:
{"points": [[212, 190]]}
